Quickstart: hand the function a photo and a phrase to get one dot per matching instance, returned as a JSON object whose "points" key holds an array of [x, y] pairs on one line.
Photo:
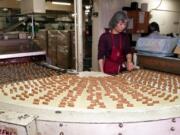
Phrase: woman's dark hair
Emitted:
{"points": [[154, 26], [118, 16]]}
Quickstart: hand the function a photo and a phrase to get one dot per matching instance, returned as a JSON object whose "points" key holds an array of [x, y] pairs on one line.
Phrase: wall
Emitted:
{"points": [[168, 16]]}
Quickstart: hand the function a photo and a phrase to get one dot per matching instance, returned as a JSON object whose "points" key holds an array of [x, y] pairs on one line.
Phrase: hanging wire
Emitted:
{"points": [[157, 6], [163, 9]]}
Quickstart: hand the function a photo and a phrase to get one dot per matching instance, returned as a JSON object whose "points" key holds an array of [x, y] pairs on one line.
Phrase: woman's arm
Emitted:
{"points": [[102, 50], [128, 53], [130, 64], [101, 65]]}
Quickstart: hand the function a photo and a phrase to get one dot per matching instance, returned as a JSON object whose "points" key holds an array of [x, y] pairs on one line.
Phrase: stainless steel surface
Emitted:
{"points": [[18, 55]]}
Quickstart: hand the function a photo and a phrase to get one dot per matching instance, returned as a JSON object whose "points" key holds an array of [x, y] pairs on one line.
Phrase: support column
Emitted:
{"points": [[32, 27], [78, 35]]}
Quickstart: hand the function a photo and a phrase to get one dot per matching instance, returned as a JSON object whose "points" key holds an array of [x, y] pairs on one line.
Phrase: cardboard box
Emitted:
{"points": [[41, 39], [63, 49], [63, 57], [52, 48]]}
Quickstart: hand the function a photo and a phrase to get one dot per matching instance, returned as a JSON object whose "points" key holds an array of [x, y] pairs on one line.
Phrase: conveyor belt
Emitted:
{"points": [[130, 96]]}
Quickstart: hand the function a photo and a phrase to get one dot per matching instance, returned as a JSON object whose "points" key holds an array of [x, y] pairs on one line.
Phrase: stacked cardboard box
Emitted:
{"points": [[59, 48], [63, 49], [41, 39], [72, 50], [14, 46], [1, 36], [52, 47]]}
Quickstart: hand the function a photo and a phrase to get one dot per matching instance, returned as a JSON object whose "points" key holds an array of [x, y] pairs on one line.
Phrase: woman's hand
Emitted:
{"points": [[130, 66]]}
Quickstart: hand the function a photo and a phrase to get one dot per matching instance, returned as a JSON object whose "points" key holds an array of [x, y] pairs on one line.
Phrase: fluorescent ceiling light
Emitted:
{"points": [[5, 9], [61, 3], [87, 11], [87, 7]]}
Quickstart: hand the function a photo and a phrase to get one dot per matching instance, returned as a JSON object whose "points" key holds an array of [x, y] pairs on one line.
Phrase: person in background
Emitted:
{"points": [[114, 51], [154, 30]]}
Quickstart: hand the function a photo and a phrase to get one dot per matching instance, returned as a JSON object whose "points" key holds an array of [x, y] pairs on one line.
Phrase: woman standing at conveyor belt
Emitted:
{"points": [[114, 51]]}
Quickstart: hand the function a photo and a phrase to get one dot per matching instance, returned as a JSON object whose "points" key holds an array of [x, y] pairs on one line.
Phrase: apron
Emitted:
{"points": [[113, 63]]}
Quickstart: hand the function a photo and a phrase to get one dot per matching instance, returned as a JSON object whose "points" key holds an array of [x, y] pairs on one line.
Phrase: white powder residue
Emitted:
{"points": [[92, 74]]}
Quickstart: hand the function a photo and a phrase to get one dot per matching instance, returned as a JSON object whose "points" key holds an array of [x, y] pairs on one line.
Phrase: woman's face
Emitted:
{"points": [[121, 25]]}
